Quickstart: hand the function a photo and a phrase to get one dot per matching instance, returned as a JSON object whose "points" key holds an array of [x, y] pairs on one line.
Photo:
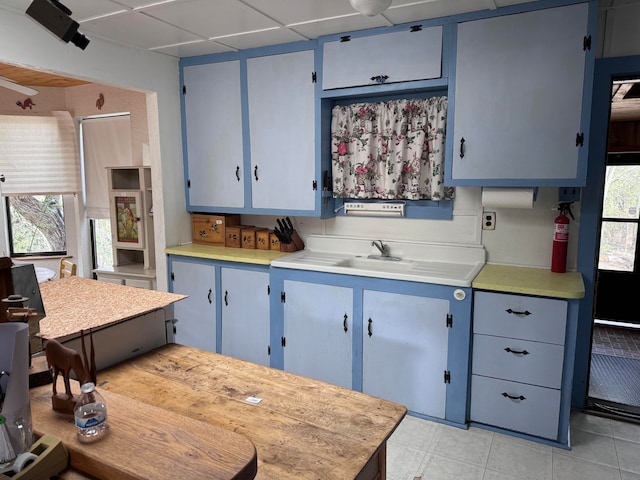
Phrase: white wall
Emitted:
{"points": [[24, 43]]}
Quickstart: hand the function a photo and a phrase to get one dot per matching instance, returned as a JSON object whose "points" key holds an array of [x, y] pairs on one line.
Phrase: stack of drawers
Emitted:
{"points": [[518, 356]]}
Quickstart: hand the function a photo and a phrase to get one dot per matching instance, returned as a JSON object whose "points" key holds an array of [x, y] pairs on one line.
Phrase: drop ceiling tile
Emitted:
{"points": [[138, 30], [80, 9], [296, 11], [339, 25], [258, 39], [429, 10], [211, 18], [204, 47]]}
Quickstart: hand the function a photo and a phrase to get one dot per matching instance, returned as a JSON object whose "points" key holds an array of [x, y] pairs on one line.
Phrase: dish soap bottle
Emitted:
{"points": [[90, 414]]}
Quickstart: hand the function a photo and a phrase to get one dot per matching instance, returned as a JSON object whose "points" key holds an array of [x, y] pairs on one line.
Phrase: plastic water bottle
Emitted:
{"points": [[90, 414]]}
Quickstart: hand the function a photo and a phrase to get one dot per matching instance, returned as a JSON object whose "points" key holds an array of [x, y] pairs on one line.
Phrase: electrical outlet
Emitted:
{"points": [[489, 220]]}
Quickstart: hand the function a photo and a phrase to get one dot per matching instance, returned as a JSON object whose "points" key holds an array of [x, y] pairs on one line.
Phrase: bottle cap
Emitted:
{"points": [[87, 387]]}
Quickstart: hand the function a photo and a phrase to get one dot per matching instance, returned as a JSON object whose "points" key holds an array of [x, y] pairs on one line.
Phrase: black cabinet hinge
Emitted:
{"points": [[268, 349], [579, 139], [283, 297], [449, 323], [314, 77], [283, 341], [447, 376], [586, 43], [173, 277], [184, 89], [415, 28], [346, 38], [188, 183], [268, 289], [314, 185]]}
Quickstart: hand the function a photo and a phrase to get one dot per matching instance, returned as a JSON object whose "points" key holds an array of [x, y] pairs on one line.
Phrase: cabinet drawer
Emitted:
{"points": [[401, 56], [540, 365], [139, 283], [532, 410], [519, 316]]}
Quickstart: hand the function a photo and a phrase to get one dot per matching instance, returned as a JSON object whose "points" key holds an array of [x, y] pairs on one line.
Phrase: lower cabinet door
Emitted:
{"points": [[404, 351], [318, 332], [245, 314], [515, 406]]}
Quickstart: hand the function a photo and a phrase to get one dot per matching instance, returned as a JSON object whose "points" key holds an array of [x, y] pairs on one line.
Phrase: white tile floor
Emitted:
{"points": [[602, 449]]}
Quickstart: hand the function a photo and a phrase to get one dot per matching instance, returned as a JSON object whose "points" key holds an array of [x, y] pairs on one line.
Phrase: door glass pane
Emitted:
{"points": [[621, 191], [618, 246], [102, 242]]}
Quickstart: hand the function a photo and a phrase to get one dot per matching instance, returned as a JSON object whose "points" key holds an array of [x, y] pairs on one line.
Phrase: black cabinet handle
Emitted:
{"points": [[255, 172], [516, 352], [209, 296], [512, 397], [226, 294], [379, 78], [462, 147], [344, 323], [515, 312], [238, 173], [369, 329]]}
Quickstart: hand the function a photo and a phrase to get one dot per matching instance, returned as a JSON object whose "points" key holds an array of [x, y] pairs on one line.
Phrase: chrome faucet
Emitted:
{"points": [[384, 249]]}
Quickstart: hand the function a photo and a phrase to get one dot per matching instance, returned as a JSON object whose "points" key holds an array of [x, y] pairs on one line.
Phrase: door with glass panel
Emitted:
{"points": [[618, 280]]}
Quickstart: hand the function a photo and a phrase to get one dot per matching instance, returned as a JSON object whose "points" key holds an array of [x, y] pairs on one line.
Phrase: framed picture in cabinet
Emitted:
{"points": [[126, 219]]}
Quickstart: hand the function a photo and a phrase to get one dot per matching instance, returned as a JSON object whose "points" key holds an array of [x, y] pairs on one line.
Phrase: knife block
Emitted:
{"points": [[295, 245]]}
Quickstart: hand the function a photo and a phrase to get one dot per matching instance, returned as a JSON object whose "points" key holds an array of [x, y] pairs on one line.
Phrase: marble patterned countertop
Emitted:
{"points": [[73, 304]]}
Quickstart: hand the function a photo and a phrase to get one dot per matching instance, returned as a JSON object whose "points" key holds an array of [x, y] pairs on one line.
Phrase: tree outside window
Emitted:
{"points": [[36, 225]]}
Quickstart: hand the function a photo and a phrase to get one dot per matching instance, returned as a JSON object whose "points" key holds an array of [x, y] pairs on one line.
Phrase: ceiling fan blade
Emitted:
{"points": [[16, 87]]}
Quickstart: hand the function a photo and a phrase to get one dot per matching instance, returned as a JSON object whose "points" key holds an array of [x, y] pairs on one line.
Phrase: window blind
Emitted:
{"points": [[106, 142], [39, 155]]}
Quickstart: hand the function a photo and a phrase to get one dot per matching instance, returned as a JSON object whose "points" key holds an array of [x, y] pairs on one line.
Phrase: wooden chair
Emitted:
{"points": [[67, 268]]}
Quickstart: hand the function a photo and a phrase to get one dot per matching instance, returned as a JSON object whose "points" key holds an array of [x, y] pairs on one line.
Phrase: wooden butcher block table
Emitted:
{"points": [[301, 428], [145, 442]]}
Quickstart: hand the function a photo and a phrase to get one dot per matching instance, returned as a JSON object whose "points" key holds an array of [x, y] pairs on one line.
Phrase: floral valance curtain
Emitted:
{"points": [[390, 150]]}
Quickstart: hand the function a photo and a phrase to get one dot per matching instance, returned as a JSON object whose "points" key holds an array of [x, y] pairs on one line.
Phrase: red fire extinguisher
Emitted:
{"points": [[561, 239]]}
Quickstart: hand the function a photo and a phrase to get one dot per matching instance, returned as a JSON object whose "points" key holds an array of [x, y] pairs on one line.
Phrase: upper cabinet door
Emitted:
{"points": [[213, 118], [399, 56], [282, 131], [518, 99]]}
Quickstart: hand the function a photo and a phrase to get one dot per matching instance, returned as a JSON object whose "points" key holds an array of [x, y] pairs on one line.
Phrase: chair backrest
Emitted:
{"points": [[67, 268]]}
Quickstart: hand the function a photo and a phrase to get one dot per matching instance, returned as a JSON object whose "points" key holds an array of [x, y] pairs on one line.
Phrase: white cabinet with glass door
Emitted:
{"points": [[195, 315], [245, 314], [318, 331], [213, 122], [404, 350], [281, 99], [518, 99]]}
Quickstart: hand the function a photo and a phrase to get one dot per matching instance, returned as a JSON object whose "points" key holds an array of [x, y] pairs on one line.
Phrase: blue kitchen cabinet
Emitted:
{"points": [[521, 369], [318, 331], [410, 54], [520, 103], [227, 309], [196, 314], [405, 346], [213, 123], [282, 131], [245, 314], [249, 120], [410, 342]]}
